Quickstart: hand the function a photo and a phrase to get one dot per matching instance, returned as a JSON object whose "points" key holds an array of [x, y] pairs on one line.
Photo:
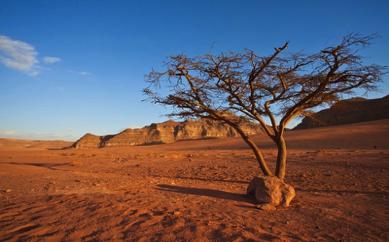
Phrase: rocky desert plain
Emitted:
{"points": [[195, 189]]}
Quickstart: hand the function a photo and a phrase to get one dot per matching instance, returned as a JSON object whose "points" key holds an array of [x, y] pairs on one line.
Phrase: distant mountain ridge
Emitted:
{"points": [[166, 132], [354, 110]]}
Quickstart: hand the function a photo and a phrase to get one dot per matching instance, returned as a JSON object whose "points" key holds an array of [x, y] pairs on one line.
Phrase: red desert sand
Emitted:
{"points": [[195, 190]]}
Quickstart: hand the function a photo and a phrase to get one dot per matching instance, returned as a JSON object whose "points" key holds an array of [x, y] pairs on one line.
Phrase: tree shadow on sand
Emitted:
{"points": [[50, 166], [206, 192], [204, 179]]}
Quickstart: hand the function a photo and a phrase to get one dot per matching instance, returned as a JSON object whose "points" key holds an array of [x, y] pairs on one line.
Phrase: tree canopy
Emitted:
{"points": [[278, 87]]}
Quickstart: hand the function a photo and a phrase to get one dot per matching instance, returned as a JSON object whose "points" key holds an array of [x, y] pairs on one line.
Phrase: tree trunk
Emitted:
{"points": [[281, 157], [258, 155]]}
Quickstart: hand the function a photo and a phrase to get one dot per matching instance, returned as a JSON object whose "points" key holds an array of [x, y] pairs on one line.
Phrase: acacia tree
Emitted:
{"points": [[267, 90]]}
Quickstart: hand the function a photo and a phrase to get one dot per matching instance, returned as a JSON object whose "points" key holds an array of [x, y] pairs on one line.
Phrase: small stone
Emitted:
{"points": [[328, 173], [8, 190], [266, 207]]}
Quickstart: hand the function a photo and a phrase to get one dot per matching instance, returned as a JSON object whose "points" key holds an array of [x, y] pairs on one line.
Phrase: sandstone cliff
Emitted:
{"points": [[166, 132], [353, 110]]}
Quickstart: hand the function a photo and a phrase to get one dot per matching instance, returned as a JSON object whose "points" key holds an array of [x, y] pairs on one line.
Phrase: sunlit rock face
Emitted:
{"points": [[348, 111], [166, 132], [88, 141], [192, 129], [152, 134]]}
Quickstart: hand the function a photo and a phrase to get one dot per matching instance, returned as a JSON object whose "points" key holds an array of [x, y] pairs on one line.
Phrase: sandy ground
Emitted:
{"points": [[195, 190]]}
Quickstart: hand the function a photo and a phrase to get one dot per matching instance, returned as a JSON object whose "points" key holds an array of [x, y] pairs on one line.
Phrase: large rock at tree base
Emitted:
{"points": [[271, 190]]}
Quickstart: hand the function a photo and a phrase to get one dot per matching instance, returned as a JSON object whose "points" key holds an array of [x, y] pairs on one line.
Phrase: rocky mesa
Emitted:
{"points": [[166, 132], [354, 110]]}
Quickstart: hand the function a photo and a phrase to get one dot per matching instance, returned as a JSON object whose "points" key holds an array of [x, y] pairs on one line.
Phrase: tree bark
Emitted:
{"points": [[259, 156], [281, 157]]}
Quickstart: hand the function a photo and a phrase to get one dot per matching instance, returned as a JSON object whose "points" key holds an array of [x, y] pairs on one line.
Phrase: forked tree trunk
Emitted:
{"points": [[281, 157], [259, 156]]}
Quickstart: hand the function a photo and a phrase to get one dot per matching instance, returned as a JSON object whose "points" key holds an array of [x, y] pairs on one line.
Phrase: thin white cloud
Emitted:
{"points": [[82, 73], [85, 73], [58, 135], [51, 59], [7, 132], [18, 55], [22, 56]]}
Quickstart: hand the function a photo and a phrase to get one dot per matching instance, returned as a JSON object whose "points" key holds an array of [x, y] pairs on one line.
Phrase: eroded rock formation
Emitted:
{"points": [[166, 132], [353, 110], [88, 141]]}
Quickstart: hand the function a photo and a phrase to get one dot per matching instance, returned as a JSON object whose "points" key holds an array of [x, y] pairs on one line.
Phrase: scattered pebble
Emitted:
{"points": [[266, 207], [328, 173]]}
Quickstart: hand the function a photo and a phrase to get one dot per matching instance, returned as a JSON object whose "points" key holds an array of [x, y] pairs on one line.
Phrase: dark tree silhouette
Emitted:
{"points": [[268, 90]]}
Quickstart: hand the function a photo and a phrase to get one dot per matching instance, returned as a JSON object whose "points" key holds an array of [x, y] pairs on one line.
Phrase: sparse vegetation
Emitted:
{"points": [[275, 88]]}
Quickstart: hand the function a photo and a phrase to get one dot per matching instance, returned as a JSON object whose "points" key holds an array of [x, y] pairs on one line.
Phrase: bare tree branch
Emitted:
{"points": [[278, 87]]}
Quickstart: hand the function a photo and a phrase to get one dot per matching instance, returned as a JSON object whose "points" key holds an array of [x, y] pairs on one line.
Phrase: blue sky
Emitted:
{"points": [[79, 66]]}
